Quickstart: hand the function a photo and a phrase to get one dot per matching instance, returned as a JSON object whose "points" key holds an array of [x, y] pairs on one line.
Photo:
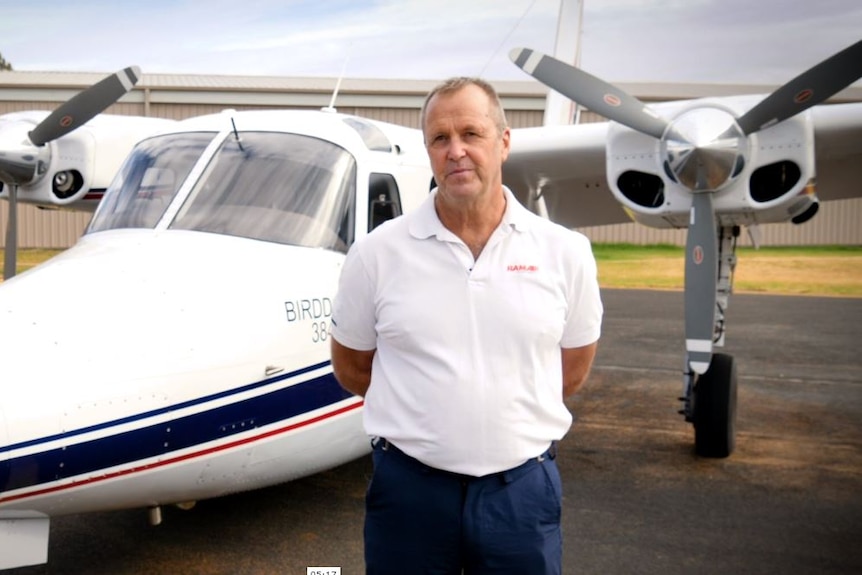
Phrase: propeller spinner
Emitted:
{"points": [[24, 158]]}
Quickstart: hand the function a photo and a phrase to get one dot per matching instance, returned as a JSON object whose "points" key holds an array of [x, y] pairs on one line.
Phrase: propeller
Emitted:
{"points": [[25, 162], [702, 147], [82, 107], [701, 279], [10, 253], [808, 89], [589, 91]]}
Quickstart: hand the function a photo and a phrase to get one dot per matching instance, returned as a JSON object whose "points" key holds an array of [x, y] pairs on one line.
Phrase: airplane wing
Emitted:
{"points": [[838, 150], [564, 165]]}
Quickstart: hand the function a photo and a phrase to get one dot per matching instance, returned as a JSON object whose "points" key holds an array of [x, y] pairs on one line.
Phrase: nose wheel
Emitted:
{"points": [[714, 408]]}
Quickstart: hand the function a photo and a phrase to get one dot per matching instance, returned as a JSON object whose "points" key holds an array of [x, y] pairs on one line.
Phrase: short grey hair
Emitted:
{"points": [[498, 115]]}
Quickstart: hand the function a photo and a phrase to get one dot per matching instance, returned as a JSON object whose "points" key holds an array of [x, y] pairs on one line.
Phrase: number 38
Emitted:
{"points": [[319, 331]]}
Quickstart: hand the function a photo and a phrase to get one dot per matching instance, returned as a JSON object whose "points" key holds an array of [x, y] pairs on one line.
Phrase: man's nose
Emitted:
{"points": [[457, 149]]}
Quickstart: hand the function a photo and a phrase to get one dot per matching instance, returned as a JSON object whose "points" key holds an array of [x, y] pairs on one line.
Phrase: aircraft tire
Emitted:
{"points": [[715, 408]]}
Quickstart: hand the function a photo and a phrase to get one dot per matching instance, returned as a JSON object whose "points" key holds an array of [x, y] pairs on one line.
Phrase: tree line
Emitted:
{"points": [[4, 65]]}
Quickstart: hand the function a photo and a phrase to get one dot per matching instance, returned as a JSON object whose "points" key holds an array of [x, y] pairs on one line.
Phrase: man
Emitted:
{"points": [[464, 324]]}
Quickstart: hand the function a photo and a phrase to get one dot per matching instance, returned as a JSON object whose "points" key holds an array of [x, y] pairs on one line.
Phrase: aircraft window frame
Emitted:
{"points": [[372, 136], [148, 181], [242, 191]]}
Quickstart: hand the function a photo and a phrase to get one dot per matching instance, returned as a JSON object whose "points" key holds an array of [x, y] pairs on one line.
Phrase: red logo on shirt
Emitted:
{"points": [[521, 268]]}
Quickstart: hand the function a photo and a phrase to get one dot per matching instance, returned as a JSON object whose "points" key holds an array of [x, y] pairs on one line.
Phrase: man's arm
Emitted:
{"points": [[576, 367], [352, 367]]}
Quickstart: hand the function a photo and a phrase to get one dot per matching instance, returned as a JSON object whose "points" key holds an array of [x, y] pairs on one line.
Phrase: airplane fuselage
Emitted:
{"points": [[180, 350]]}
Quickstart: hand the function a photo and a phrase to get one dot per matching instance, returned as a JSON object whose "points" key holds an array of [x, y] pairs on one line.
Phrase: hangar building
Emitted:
{"points": [[397, 101]]}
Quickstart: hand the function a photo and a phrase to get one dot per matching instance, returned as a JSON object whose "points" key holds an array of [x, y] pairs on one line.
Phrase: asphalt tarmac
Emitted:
{"points": [[637, 500]]}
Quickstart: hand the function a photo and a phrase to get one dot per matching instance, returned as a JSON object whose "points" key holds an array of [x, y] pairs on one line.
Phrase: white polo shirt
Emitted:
{"points": [[467, 376]]}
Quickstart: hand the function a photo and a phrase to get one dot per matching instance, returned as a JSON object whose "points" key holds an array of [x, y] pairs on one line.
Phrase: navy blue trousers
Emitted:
{"points": [[423, 521]]}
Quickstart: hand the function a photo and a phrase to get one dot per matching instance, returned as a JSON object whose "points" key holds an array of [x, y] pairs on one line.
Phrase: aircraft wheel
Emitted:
{"points": [[715, 408]]}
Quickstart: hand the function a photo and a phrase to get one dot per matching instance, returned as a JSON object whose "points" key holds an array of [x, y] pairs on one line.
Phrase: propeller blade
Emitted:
{"points": [[84, 106], [701, 278], [599, 96], [808, 89], [10, 253]]}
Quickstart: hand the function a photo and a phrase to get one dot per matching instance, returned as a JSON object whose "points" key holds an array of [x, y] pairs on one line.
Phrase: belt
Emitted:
{"points": [[506, 476]]}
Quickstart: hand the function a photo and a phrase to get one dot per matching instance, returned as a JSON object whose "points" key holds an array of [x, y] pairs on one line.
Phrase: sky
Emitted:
{"points": [[655, 41]]}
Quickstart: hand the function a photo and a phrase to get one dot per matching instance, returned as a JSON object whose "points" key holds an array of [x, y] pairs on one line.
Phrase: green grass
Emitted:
{"points": [[806, 270], [28, 258], [615, 252], [612, 252]]}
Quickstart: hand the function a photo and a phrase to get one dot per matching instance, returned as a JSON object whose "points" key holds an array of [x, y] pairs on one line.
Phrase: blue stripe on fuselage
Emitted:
{"points": [[175, 434], [145, 415]]}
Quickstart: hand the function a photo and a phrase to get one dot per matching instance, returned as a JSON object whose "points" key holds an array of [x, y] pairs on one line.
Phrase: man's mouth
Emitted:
{"points": [[458, 172]]}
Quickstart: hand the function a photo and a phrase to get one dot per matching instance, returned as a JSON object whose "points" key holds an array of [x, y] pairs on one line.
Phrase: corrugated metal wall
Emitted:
{"points": [[44, 228], [836, 223]]}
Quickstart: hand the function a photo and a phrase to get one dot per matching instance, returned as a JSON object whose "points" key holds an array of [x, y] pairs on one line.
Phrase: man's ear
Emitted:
{"points": [[507, 142]]}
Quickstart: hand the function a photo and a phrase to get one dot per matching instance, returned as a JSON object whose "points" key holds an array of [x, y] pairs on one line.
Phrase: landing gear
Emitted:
{"points": [[709, 399], [714, 406]]}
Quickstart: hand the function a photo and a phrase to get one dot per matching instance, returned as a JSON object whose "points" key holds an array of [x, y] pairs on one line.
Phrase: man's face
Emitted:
{"points": [[464, 146]]}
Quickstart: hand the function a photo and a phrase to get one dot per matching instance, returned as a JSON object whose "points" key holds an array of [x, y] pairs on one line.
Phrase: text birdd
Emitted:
{"points": [[308, 309]]}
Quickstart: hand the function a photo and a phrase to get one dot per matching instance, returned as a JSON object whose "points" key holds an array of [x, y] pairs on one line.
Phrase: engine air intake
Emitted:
{"points": [[773, 181], [646, 190]]}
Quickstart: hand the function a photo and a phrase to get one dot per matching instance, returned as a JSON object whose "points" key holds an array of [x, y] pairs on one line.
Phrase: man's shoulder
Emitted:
{"points": [[390, 233], [525, 219], [395, 226], [554, 232]]}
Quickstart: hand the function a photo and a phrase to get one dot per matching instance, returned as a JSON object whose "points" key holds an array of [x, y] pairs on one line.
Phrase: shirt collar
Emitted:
{"points": [[425, 223]]}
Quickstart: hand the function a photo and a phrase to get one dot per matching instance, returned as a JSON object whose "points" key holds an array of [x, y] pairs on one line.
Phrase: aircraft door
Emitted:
{"points": [[384, 202]]}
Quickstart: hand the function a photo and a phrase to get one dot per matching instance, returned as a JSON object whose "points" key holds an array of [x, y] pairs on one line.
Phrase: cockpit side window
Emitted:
{"points": [[276, 187], [384, 202], [372, 136], [148, 180]]}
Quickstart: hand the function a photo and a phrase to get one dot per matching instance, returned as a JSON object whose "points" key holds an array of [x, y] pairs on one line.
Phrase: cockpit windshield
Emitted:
{"points": [[276, 187], [148, 181]]}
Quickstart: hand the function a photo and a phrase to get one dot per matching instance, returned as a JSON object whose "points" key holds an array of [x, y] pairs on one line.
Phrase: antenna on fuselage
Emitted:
{"points": [[331, 106], [236, 135]]}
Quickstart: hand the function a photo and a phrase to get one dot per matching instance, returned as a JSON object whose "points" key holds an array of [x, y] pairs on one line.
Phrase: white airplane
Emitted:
{"points": [[179, 351]]}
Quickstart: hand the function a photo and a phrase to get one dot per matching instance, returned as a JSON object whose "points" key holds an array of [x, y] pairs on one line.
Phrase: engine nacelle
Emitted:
{"points": [[772, 181]]}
